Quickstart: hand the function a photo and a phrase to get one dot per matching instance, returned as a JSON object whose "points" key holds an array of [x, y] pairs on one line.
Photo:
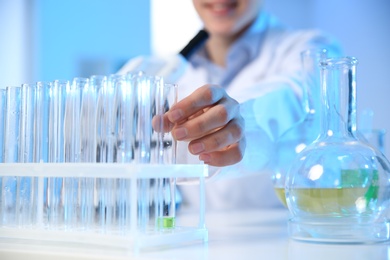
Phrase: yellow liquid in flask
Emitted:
{"points": [[334, 201]]}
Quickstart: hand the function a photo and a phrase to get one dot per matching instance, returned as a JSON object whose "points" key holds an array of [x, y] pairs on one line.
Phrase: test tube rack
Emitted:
{"points": [[72, 216]]}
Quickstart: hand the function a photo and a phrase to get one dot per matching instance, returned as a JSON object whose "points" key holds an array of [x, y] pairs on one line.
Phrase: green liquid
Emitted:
{"points": [[166, 222]]}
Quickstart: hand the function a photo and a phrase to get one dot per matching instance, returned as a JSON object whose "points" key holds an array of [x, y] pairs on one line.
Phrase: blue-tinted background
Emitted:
{"points": [[52, 39]]}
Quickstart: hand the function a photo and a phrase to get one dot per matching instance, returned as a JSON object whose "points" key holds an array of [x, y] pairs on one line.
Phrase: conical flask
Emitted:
{"points": [[306, 130], [338, 189]]}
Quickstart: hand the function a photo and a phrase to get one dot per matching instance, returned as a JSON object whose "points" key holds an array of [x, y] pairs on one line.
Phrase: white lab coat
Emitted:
{"points": [[269, 92]]}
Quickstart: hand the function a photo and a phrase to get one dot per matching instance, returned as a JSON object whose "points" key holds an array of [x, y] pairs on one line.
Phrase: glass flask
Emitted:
{"points": [[337, 189], [306, 130]]}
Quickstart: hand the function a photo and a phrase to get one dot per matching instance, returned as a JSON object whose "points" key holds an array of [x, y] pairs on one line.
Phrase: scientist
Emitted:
{"points": [[239, 90]]}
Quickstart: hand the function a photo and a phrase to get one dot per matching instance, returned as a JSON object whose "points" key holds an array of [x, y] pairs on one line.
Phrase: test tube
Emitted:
{"points": [[124, 112], [144, 92], [88, 146], [165, 153], [90, 151], [40, 152], [72, 149], [25, 198], [11, 154], [105, 129], [56, 150]]}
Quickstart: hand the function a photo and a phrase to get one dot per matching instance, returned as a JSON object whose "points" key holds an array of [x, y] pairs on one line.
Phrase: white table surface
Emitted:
{"points": [[232, 235]]}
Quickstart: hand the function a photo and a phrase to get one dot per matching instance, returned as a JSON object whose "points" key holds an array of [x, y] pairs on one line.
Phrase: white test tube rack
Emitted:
{"points": [[37, 231]]}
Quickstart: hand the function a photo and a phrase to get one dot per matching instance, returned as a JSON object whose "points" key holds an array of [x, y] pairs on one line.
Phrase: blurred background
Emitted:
{"points": [[44, 40]]}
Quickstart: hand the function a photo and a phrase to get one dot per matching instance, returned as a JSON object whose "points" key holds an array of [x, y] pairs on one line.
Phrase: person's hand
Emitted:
{"points": [[211, 121]]}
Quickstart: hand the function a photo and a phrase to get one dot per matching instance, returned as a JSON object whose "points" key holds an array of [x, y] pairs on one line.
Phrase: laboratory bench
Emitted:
{"points": [[246, 234]]}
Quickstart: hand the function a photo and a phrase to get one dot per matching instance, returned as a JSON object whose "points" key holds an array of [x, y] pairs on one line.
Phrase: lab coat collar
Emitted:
{"points": [[250, 41]]}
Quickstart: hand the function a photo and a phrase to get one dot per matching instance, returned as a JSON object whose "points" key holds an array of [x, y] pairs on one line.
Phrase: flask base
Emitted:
{"points": [[343, 232]]}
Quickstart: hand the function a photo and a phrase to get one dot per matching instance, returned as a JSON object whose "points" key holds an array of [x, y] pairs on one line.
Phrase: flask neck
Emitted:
{"points": [[310, 60], [338, 97]]}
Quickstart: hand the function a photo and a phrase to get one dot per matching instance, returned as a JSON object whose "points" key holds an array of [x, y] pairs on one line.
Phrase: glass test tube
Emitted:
{"points": [[72, 149], [56, 150], [88, 147], [26, 189], [41, 147], [165, 153], [90, 151], [124, 132], [105, 152], [144, 89], [11, 154]]}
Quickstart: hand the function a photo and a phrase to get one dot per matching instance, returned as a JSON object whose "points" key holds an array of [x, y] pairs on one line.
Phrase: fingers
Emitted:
{"points": [[231, 155], [218, 140], [223, 147], [161, 123], [190, 107], [201, 98], [206, 120]]}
